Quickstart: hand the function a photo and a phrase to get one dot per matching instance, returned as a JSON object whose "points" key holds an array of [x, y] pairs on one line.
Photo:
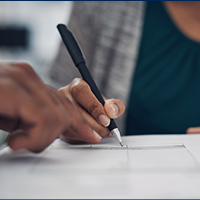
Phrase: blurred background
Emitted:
{"points": [[28, 33]]}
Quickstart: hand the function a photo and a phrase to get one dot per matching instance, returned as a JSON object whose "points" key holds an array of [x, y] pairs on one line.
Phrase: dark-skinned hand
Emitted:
{"points": [[35, 114]]}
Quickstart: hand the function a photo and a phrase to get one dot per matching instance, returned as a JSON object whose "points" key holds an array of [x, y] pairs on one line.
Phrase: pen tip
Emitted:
{"points": [[121, 144]]}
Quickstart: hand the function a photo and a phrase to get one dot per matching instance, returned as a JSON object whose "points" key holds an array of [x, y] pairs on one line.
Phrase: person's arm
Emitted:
{"points": [[35, 114]]}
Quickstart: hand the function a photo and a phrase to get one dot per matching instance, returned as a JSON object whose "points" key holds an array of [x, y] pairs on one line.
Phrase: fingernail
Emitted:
{"points": [[105, 121], [97, 135], [115, 109]]}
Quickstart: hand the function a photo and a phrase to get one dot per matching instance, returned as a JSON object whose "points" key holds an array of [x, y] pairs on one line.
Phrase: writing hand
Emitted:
{"points": [[95, 114]]}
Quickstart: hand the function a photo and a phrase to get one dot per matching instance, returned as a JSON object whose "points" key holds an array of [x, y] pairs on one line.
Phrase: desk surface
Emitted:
{"points": [[165, 166]]}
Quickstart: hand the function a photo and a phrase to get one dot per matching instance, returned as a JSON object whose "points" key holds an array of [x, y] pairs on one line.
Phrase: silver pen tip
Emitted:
{"points": [[116, 134]]}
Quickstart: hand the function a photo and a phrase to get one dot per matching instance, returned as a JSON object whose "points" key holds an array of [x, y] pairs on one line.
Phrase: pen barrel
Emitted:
{"points": [[71, 44], [112, 125], [79, 60], [88, 78]]}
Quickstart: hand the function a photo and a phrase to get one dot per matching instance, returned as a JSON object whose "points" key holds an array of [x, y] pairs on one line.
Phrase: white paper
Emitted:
{"points": [[146, 167]]}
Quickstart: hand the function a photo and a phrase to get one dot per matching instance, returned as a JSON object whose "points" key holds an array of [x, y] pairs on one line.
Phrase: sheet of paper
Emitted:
{"points": [[146, 167]]}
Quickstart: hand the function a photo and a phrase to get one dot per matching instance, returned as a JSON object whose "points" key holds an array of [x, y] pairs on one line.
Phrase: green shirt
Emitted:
{"points": [[165, 94]]}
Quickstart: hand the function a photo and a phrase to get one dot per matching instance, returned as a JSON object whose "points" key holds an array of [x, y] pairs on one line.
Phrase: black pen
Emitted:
{"points": [[79, 60]]}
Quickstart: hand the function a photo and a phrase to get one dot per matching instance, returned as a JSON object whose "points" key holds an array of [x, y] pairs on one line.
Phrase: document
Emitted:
{"points": [[145, 167]]}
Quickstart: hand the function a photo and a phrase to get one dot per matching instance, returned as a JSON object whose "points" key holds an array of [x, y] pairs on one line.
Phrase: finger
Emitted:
{"points": [[9, 105], [30, 138], [20, 139], [82, 93], [35, 105], [62, 113], [70, 141], [193, 130], [78, 124], [8, 123], [114, 108], [36, 134], [39, 125], [41, 94], [101, 130], [71, 137]]}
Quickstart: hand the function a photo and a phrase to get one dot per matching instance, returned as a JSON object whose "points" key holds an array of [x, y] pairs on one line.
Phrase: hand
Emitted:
{"points": [[193, 130], [95, 114], [34, 113]]}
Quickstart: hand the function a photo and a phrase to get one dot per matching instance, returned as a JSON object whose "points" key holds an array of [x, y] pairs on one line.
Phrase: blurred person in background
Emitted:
{"points": [[145, 53]]}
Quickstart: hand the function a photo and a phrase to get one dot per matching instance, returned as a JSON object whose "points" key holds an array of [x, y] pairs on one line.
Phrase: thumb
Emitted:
{"points": [[114, 108]]}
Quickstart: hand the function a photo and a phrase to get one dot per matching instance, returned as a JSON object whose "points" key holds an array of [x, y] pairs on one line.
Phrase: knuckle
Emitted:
{"points": [[19, 66], [94, 108], [57, 118], [47, 117], [10, 85], [75, 129], [78, 123], [61, 119], [11, 70], [24, 68], [63, 90], [28, 68], [78, 86], [16, 72], [64, 94], [74, 124], [68, 135], [67, 119]]}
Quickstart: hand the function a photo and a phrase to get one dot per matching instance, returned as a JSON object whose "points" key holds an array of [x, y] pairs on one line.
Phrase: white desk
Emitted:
{"points": [[151, 167]]}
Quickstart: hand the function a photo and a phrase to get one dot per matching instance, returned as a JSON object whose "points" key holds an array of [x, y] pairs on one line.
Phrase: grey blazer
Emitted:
{"points": [[109, 33]]}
